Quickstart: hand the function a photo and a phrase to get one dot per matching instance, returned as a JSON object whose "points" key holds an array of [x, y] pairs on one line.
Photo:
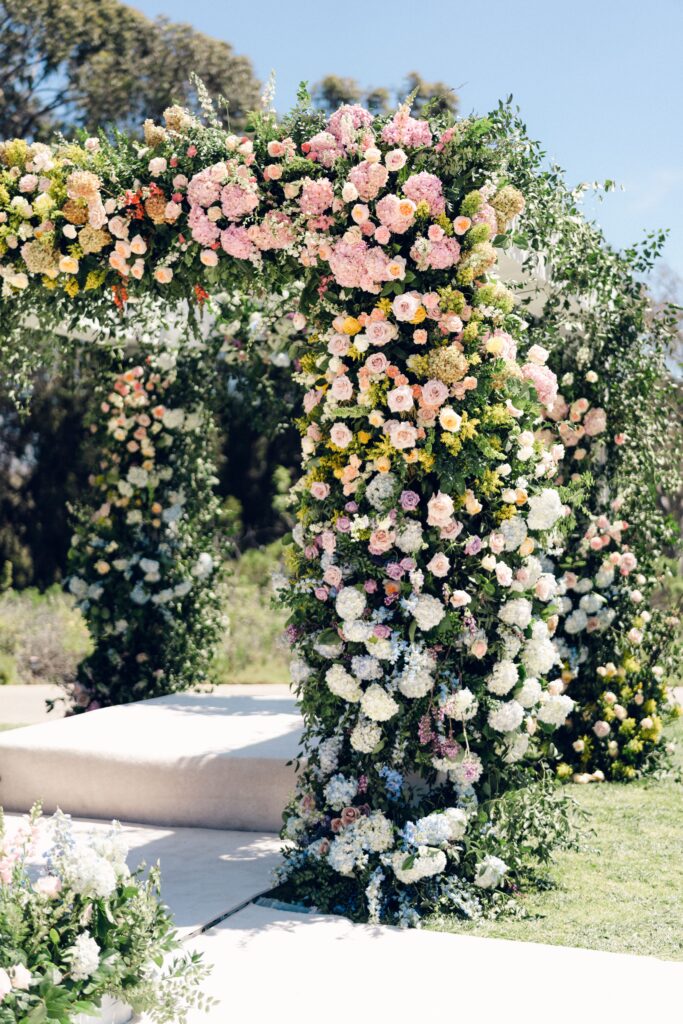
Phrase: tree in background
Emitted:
{"points": [[86, 63], [334, 90]]}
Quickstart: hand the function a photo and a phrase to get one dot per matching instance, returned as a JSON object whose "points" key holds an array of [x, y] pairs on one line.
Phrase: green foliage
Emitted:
{"points": [[100, 62]]}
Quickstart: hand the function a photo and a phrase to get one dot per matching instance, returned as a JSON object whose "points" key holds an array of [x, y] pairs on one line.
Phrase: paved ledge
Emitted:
{"points": [[203, 760]]}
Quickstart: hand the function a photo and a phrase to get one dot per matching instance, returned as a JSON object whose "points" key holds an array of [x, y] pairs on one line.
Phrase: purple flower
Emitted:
{"points": [[383, 632], [473, 546], [394, 570], [370, 586], [409, 500], [351, 506], [343, 524]]}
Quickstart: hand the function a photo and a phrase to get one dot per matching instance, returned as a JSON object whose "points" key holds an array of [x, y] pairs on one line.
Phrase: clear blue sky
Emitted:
{"points": [[599, 82]]}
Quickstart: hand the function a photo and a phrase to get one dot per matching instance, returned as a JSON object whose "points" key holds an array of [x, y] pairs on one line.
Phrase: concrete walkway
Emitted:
{"points": [[291, 968]]}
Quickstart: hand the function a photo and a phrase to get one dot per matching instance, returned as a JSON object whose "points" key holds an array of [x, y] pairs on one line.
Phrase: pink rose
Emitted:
{"points": [[380, 332], [601, 729], [342, 388], [340, 435], [405, 306], [338, 345], [320, 490], [439, 565], [381, 540], [400, 399], [440, 509], [402, 435], [434, 393], [333, 576], [376, 363]]}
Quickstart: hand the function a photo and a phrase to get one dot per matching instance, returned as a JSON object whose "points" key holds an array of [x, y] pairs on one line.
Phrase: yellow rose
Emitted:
{"points": [[450, 419], [420, 314], [351, 326], [68, 265]]}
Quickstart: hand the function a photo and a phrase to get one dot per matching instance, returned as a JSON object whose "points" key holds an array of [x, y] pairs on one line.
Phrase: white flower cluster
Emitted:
{"points": [[544, 509], [84, 956], [428, 612], [365, 736], [350, 603], [377, 704], [349, 849], [342, 684], [340, 791], [416, 678], [503, 678], [410, 868]]}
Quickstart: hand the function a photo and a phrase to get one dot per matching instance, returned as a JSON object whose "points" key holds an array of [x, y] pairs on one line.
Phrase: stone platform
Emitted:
{"points": [[206, 761]]}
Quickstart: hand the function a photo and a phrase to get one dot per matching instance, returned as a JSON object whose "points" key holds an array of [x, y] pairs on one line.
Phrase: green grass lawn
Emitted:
{"points": [[624, 892]]}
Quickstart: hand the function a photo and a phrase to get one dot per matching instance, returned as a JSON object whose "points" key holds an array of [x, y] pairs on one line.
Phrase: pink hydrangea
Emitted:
{"points": [[316, 197], [369, 179], [595, 422], [439, 255], [354, 264], [204, 189], [543, 380], [237, 200], [404, 130], [323, 148], [486, 215], [203, 230], [426, 187], [396, 214], [274, 232], [236, 242], [346, 121]]}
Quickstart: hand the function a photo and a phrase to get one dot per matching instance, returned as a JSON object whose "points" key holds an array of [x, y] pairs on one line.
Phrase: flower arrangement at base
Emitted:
{"points": [[77, 926], [144, 561]]}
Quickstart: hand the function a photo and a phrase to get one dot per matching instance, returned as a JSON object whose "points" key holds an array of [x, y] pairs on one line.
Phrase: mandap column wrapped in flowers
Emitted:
{"points": [[421, 601]]}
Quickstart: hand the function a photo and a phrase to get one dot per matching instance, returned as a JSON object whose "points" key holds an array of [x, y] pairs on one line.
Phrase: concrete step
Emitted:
{"points": [[207, 761]]}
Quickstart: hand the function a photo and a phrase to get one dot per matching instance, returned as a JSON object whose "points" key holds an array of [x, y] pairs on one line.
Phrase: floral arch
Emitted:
{"points": [[425, 569]]}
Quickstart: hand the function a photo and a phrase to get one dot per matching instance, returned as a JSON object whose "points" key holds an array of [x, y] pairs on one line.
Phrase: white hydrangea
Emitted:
{"points": [[428, 612], [382, 649], [342, 684], [530, 694], [425, 863], [340, 791], [544, 509], [357, 631], [380, 489], [409, 537], [438, 828], [514, 531], [299, 670], [350, 603], [555, 708], [328, 754], [489, 872], [364, 666], [591, 603], [516, 748], [575, 622], [377, 704], [84, 957], [88, 873], [604, 576], [350, 847], [461, 705], [506, 717], [365, 736], [516, 612], [503, 678], [417, 679], [539, 655]]}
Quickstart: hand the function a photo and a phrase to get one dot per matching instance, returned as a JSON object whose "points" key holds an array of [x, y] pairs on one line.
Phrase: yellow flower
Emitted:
{"points": [[95, 279], [71, 287], [351, 326], [385, 306], [420, 315], [68, 265], [49, 283], [364, 437], [452, 442], [506, 512], [102, 567], [383, 464], [449, 419]]}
